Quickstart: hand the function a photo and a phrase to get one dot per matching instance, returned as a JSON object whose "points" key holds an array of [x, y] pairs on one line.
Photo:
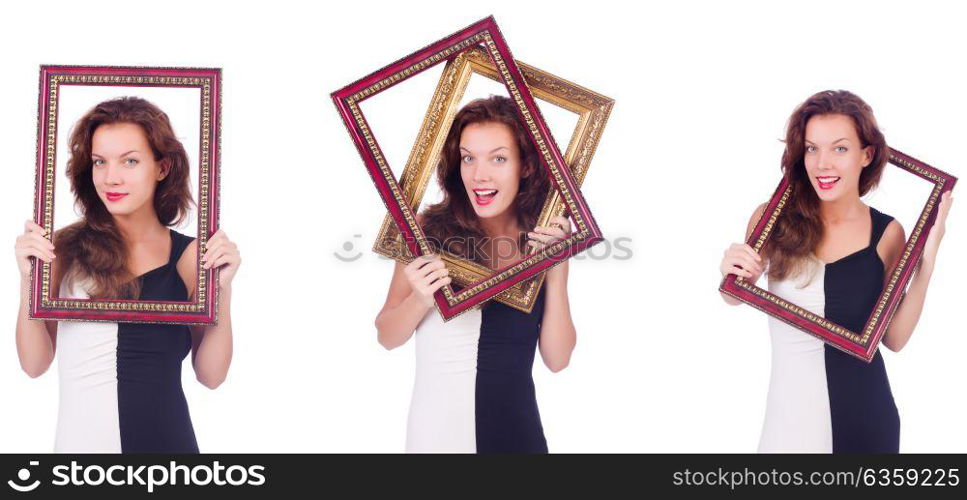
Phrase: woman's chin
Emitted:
{"points": [[828, 194], [488, 212], [117, 211]]}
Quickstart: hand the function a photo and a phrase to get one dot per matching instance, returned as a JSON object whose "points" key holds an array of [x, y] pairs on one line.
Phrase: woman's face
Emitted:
{"points": [[490, 167], [834, 156], [124, 169]]}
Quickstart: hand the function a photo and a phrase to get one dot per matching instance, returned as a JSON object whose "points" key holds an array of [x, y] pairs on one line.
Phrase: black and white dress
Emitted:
{"points": [[120, 383], [474, 392], [822, 400]]}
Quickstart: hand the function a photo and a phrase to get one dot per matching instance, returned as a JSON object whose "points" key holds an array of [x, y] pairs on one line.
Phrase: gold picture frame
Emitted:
{"points": [[592, 110]]}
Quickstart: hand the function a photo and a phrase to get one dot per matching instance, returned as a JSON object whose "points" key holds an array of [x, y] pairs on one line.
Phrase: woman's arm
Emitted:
{"points": [[36, 340], [410, 296], [211, 346], [558, 335], [890, 248], [740, 259]]}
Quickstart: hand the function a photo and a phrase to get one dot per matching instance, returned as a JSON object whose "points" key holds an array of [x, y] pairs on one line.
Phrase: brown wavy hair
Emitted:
{"points": [[93, 247], [800, 228], [452, 223]]}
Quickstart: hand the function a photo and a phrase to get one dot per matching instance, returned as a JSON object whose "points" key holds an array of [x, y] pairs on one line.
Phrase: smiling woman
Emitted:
{"points": [[121, 180], [120, 383], [474, 391], [492, 185], [831, 254]]}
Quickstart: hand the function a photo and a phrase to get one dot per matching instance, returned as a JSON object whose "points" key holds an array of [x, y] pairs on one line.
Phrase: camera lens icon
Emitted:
{"points": [[23, 475]]}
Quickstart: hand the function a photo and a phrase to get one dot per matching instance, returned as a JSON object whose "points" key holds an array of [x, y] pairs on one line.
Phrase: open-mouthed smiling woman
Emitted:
{"points": [[473, 390]]}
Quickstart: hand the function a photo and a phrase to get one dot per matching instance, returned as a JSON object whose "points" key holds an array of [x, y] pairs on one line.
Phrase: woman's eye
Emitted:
{"points": [[840, 149], [98, 163], [500, 159], [810, 149], [130, 162], [467, 158]]}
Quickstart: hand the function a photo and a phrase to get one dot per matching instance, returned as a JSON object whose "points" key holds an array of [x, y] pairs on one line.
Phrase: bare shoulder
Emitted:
{"points": [[894, 230], [756, 215], [187, 266], [892, 241], [57, 267], [399, 287]]}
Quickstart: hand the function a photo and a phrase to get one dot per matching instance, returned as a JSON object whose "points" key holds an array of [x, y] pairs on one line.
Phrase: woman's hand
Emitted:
{"points": [[741, 260], [932, 245], [36, 340], [222, 254], [32, 243], [905, 320], [542, 236], [427, 274]]}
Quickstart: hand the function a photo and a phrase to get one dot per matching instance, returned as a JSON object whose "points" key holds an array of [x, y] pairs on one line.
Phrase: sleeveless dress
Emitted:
{"points": [[474, 391], [822, 400], [120, 383]]}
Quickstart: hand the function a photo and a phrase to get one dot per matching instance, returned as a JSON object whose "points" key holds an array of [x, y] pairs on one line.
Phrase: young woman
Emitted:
{"points": [[831, 254], [473, 390], [120, 383]]}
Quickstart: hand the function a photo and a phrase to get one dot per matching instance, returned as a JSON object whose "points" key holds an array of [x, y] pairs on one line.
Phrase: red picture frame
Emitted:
{"points": [[484, 34], [203, 308], [859, 344]]}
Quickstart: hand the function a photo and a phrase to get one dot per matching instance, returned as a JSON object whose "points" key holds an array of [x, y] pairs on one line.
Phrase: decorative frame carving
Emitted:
{"points": [[203, 308], [860, 344], [591, 108], [484, 34]]}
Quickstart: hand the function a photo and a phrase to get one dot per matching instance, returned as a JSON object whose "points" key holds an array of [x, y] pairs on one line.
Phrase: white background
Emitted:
{"points": [[703, 91]]}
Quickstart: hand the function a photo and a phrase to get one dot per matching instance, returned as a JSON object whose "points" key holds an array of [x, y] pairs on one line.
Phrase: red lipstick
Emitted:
{"points": [[484, 196], [112, 197], [827, 182]]}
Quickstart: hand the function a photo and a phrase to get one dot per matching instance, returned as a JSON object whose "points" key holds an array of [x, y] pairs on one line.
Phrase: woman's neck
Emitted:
{"points": [[139, 226], [502, 226], [845, 208], [503, 233]]}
